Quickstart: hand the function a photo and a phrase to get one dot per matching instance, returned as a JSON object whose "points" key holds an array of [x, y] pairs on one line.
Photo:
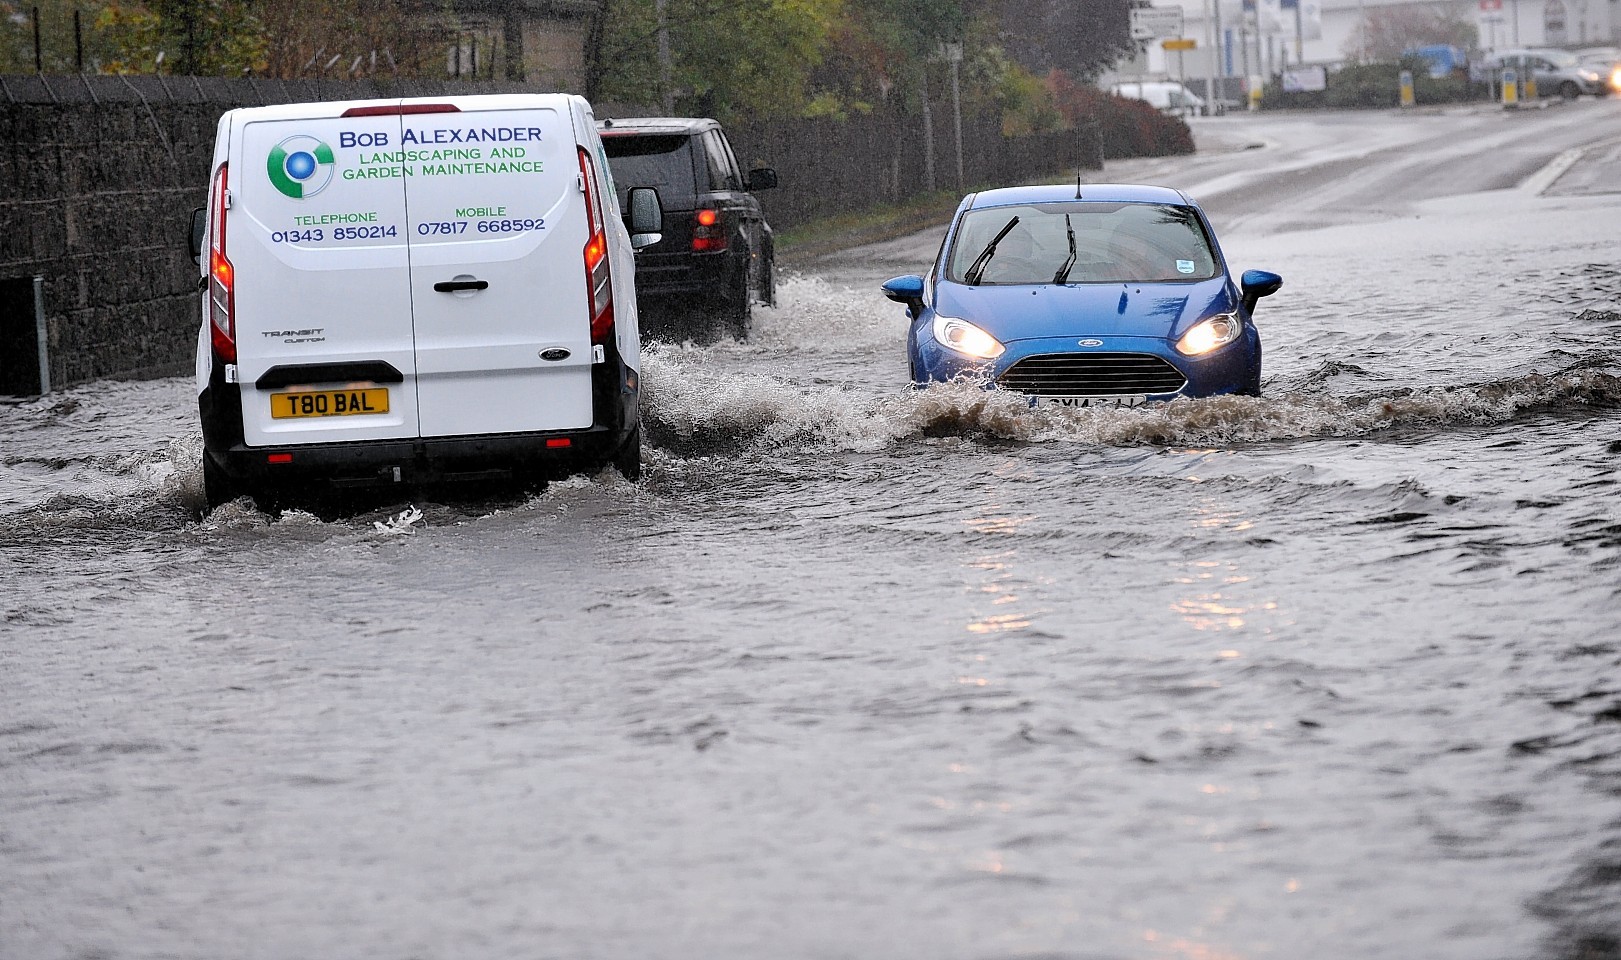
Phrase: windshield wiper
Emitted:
{"points": [[1063, 271], [976, 270]]}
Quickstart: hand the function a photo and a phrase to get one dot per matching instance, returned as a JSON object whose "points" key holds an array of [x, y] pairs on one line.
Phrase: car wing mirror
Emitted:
{"points": [[198, 232], [1257, 284], [907, 290], [761, 178], [646, 217]]}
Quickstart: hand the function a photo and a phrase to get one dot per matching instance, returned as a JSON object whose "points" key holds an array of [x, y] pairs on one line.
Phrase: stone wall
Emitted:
{"points": [[99, 175]]}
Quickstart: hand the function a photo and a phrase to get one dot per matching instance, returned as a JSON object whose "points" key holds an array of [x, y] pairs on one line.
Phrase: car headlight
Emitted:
{"points": [[1589, 76], [964, 337], [1210, 333]]}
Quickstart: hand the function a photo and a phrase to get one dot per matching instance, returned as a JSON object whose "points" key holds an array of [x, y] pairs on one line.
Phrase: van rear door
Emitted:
{"points": [[317, 239], [498, 230]]}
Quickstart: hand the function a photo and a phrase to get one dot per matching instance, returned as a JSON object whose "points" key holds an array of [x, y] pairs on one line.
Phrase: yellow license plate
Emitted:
{"points": [[328, 403]]}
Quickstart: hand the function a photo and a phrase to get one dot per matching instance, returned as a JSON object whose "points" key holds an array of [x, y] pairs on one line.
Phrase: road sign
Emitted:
{"points": [[1150, 24], [1179, 43]]}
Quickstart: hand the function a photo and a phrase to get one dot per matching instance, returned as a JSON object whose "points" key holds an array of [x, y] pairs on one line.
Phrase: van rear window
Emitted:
{"points": [[661, 161]]}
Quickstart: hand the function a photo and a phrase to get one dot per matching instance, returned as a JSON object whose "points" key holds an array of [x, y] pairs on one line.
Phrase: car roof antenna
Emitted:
{"points": [[1077, 183]]}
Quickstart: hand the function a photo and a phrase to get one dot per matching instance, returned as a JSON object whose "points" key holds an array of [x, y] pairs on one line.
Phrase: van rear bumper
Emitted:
{"points": [[381, 463], [422, 461]]}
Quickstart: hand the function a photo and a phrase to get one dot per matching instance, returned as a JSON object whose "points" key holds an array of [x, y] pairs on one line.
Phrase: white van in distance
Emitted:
{"points": [[1166, 96], [415, 291]]}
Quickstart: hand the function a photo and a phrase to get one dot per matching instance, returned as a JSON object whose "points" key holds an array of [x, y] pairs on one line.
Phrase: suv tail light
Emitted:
{"points": [[221, 300], [708, 232], [598, 281]]}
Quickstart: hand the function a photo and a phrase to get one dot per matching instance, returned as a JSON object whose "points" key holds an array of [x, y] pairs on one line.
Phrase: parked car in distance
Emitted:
{"points": [[1099, 295], [1607, 62], [1166, 96], [403, 292], [716, 258], [1557, 72]]}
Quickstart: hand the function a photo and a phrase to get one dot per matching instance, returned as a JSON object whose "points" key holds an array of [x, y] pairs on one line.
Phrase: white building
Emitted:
{"points": [[1266, 38]]}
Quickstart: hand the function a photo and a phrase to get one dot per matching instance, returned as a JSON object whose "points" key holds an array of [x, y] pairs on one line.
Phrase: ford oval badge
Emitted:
{"points": [[554, 353], [1089, 342]]}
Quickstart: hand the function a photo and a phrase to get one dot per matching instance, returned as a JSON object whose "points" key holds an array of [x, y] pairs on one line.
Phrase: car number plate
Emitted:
{"points": [[328, 403], [1093, 401]]}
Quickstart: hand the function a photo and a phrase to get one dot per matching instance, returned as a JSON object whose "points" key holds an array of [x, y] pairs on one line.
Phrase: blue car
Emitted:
{"points": [[1096, 295]]}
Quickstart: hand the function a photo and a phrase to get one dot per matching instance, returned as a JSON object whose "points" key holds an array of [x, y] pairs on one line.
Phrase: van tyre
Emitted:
{"points": [[628, 459], [218, 489], [1569, 90]]}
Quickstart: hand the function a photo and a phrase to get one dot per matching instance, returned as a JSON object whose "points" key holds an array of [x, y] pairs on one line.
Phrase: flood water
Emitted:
{"points": [[860, 672]]}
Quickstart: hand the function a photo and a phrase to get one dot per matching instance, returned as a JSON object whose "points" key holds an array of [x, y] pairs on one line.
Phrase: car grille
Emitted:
{"points": [[1092, 375]]}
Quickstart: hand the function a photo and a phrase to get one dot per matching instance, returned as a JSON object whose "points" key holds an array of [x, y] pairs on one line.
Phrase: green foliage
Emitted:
{"points": [[55, 31], [1025, 101], [131, 37], [725, 56], [211, 37], [120, 38]]}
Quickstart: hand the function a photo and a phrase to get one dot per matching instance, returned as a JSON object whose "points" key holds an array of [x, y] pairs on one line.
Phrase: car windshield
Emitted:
{"points": [[1561, 59], [663, 161], [1114, 243]]}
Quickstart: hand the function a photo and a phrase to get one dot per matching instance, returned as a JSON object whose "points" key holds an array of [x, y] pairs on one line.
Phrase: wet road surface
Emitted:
{"points": [[860, 672]]}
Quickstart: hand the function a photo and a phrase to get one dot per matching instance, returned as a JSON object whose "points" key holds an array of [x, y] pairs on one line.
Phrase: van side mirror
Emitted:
{"points": [[198, 232], [646, 217], [1257, 284], [760, 178]]}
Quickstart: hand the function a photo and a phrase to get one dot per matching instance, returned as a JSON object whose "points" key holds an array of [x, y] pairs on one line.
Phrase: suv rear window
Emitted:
{"points": [[663, 161]]}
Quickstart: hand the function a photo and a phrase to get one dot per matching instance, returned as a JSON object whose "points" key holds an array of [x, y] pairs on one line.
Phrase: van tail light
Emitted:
{"points": [[598, 281], [221, 302], [708, 232]]}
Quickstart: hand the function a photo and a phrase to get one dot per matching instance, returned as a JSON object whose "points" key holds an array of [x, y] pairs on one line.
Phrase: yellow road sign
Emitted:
{"points": [[1179, 43]]}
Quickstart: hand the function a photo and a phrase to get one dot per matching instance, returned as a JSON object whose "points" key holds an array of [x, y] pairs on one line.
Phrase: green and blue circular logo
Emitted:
{"points": [[300, 166]]}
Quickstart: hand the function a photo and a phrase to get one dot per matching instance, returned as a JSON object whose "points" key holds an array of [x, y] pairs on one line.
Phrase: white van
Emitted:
{"points": [[1166, 96], [415, 291]]}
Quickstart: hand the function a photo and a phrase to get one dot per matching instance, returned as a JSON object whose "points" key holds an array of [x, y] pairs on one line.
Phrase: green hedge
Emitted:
{"points": [[1372, 86]]}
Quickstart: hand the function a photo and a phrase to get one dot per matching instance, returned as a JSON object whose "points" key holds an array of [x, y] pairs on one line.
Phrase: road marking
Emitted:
{"points": [[1544, 178]]}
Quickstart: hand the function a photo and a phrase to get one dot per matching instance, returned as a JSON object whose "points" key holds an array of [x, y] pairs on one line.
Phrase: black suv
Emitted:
{"points": [[716, 256]]}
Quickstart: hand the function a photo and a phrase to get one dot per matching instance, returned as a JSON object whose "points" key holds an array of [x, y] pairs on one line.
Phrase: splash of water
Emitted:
{"points": [[692, 407]]}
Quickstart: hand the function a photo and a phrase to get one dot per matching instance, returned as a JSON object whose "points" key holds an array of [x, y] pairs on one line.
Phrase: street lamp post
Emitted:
{"points": [[953, 54]]}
